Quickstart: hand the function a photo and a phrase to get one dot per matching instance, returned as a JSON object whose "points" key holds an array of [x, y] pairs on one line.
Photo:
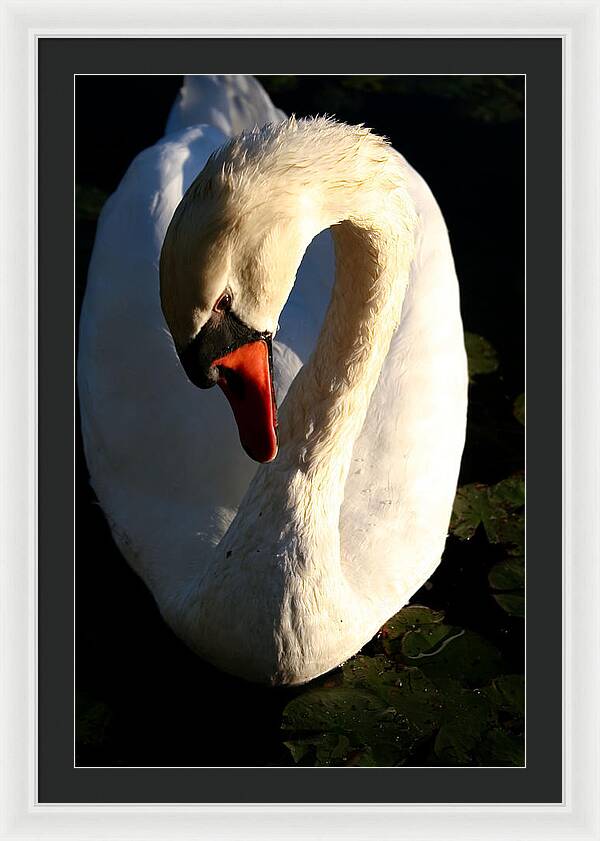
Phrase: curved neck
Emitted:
{"points": [[282, 551], [326, 406]]}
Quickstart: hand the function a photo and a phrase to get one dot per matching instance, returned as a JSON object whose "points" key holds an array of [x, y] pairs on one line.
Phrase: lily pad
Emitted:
{"points": [[468, 717], [467, 657], [510, 492], [481, 356], [381, 713], [500, 748], [471, 508], [433, 685], [408, 690], [508, 575], [426, 641], [519, 408], [328, 748], [507, 579], [411, 617], [507, 692], [511, 603], [497, 508]]}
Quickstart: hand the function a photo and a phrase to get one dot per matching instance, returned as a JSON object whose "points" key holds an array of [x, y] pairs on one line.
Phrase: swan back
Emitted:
{"points": [[229, 103]]}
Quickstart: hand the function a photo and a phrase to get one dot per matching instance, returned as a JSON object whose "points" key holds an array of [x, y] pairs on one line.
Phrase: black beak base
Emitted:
{"points": [[222, 334]]}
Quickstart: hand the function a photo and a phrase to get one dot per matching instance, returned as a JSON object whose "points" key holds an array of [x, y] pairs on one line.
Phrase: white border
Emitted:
{"points": [[578, 22]]}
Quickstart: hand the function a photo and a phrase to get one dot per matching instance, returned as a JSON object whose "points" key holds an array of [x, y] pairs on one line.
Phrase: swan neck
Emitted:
{"points": [[327, 404]]}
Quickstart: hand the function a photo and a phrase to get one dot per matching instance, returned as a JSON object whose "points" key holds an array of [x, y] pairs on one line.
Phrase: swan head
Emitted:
{"points": [[232, 249], [227, 266]]}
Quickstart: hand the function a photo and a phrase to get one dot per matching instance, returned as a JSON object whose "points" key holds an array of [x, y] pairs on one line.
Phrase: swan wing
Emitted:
{"points": [[164, 457]]}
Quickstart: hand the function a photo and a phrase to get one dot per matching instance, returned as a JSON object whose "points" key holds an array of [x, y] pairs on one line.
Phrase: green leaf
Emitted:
{"points": [[511, 603], [408, 690], [519, 408], [435, 685], [468, 716], [508, 575], [472, 732], [383, 712], [471, 508], [342, 709], [329, 748], [481, 356], [501, 748], [369, 758], [509, 492], [425, 641], [507, 578], [466, 657], [496, 507], [509, 693], [411, 617]]}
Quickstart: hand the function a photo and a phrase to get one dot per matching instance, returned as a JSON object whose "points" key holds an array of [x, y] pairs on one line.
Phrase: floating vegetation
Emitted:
{"points": [[481, 356], [431, 691]]}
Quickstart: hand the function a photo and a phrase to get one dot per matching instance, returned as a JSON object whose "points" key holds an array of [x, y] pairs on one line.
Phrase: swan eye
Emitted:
{"points": [[224, 303]]}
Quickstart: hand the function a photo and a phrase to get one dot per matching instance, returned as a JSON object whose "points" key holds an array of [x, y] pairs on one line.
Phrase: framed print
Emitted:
{"points": [[462, 681], [467, 682], [475, 705]]}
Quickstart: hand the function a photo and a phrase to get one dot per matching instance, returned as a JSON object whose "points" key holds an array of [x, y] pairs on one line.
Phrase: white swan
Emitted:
{"points": [[276, 573]]}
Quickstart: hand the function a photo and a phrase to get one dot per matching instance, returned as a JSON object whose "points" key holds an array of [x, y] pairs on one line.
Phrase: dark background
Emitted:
{"points": [[142, 697]]}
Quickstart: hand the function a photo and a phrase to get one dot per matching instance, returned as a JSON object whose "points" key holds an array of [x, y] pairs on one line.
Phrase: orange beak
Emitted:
{"points": [[246, 377]]}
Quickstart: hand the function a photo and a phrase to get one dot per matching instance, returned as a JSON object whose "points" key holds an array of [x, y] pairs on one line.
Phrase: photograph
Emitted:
{"points": [[300, 431]]}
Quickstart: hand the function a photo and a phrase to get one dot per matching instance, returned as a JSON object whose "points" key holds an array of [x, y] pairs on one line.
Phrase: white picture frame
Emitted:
{"points": [[578, 24]]}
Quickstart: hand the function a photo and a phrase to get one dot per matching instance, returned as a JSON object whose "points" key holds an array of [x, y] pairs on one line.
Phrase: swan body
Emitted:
{"points": [[277, 572]]}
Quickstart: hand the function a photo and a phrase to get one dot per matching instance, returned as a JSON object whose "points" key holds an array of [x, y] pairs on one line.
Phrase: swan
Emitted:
{"points": [[280, 519]]}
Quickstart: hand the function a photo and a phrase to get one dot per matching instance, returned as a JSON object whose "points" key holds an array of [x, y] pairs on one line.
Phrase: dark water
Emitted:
{"points": [[143, 698]]}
